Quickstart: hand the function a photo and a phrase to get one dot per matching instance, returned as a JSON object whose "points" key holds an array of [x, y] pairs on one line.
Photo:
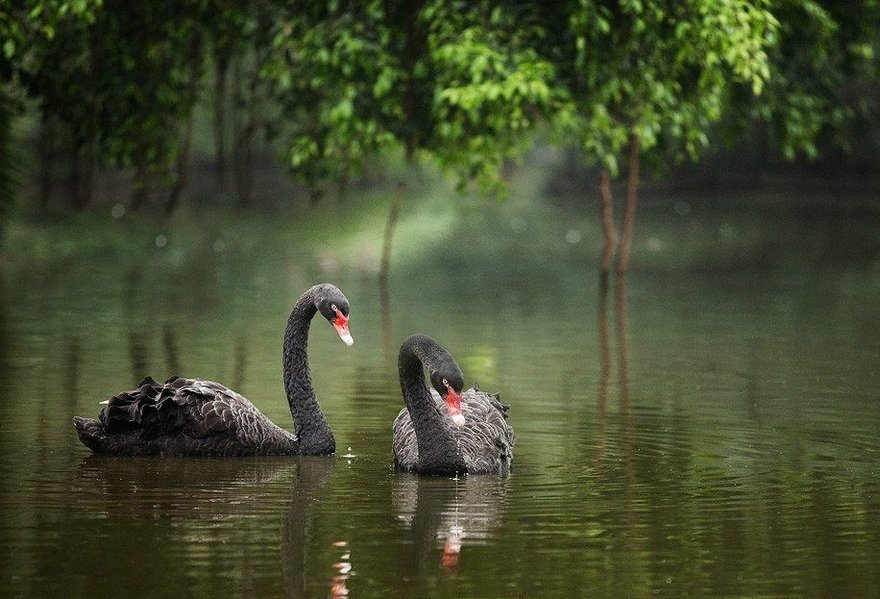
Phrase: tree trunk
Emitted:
{"points": [[384, 271], [139, 187], [82, 175], [183, 164], [7, 175], [245, 125], [87, 180], [220, 122], [243, 166], [629, 214], [606, 208], [182, 168], [390, 226], [46, 151]]}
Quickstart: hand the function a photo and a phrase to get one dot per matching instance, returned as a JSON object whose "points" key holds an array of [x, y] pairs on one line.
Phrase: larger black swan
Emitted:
{"points": [[192, 417], [444, 431]]}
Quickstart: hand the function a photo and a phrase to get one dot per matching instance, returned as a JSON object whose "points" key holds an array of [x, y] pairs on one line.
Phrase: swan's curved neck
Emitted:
{"points": [[310, 425], [438, 449]]}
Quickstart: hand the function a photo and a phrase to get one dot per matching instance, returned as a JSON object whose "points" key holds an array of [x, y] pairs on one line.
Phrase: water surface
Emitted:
{"points": [[709, 427]]}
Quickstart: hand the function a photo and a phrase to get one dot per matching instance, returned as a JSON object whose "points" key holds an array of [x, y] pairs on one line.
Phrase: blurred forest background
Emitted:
{"points": [[149, 109]]}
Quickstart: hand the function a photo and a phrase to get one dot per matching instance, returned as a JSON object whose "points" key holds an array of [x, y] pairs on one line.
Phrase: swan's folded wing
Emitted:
{"points": [[213, 409], [150, 408], [197, 408]]}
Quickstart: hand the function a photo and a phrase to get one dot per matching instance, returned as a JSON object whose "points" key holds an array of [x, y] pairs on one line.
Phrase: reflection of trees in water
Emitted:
{"points": [[135, 524], [137, 351], [214, 511], [312, 476], [5, 336], [688, 520], [606, 367], [240, 362], [374, 403], [385, 321], [448, 513], [169, 343], [139, 333]]}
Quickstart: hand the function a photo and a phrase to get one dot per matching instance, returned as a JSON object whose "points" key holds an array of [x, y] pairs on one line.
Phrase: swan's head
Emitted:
{"points": [[333, 306], [448, 381]]}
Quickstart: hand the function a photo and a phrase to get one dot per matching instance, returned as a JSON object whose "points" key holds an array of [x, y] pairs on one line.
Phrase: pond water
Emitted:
{"points": [[707, 427]]}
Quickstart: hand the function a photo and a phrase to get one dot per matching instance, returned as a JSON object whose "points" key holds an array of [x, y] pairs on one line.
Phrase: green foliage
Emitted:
{"points": [[24, 24], [332, 75], [659, 69], [456, 82], [823, 55], [465, 84], [26, 28], [491, 88]]}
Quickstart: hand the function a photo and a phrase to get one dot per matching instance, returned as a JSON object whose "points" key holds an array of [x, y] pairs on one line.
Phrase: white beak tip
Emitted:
{"points": [[458, 419], [347, 339]]}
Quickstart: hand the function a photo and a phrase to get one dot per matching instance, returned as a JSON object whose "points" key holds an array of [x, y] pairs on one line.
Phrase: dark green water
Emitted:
{"points": [[710, 427]]}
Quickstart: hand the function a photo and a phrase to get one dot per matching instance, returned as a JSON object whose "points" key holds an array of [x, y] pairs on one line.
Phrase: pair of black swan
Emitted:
{"points": [[442, 431]]}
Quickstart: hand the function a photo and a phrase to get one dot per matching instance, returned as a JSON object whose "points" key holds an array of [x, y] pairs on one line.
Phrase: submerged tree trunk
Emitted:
{"points": [[606, 209], [629, 214], [604, 369]]}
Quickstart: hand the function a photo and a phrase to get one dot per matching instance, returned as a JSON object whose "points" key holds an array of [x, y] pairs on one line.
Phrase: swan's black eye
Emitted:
{"points": [[445, 383], [334, 308]]}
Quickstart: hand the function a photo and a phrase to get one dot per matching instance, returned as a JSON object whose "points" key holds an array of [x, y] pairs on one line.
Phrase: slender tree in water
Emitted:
{"points": [[647, 77]]}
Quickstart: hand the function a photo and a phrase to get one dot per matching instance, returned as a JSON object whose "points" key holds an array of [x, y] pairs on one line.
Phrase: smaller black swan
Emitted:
{"points": [[443, 431], [192, 417]]}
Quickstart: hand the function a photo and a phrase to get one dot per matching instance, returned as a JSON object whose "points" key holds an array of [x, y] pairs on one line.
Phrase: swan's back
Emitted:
{"points": [[183, 417], [485, 442]]}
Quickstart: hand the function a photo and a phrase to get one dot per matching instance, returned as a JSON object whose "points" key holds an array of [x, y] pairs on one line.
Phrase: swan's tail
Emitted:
{"points": [[92, 434]]}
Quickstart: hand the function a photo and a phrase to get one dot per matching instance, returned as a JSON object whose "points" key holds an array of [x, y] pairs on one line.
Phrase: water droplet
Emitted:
{"points": [[118, 211], [219, 246], [573, 236], [161, 241]]}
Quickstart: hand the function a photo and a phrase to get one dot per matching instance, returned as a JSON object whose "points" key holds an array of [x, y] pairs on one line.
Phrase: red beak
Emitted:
{"points": [[453, 406], [341, 326]]}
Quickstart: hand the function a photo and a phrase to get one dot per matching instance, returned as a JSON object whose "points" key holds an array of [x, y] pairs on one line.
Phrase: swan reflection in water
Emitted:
{"points": [[216, 501], [313, 474], [180, 488], [451, 513]]}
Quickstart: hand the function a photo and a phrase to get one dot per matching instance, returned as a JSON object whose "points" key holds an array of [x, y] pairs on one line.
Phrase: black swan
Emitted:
{"points": [[444, 431], [192, 417]]}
